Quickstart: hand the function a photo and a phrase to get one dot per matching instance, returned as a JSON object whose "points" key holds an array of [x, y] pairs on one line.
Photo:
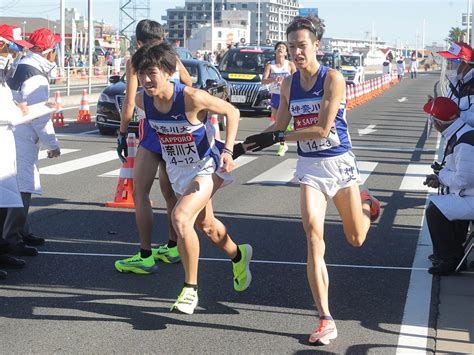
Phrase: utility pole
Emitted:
{"points": [[258, 23], [423, 41], [63, 34], [468, 22], [212, 26], [91, 43], [184, 31]]}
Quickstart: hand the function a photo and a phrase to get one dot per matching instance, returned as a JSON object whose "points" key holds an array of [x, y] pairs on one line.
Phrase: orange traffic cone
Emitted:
{"points": [[58, 117], [84, 116], [83, 73], [123, 195]]}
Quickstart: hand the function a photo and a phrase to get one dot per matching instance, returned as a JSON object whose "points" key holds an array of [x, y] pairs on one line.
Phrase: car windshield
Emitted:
{"points": [[350, 60], [193, 72], [183, 53], [246, 61], [328, 60]]}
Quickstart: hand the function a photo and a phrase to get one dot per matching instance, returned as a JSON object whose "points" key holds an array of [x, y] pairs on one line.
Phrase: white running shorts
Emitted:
{"points": [[181, 176], [328, 175]]}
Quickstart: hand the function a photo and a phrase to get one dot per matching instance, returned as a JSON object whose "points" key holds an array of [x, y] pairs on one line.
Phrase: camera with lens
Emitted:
{"points": [[436, 167]]}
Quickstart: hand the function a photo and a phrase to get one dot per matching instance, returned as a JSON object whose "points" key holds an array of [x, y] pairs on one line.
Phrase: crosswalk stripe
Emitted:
{"points": [[280, 174], [238, 163], [77, 164], [414, 177], [365, 169], [43, 154]]}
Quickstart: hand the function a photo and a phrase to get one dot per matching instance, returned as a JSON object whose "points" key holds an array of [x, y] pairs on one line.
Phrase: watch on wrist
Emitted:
{"points": [[279, 136]]}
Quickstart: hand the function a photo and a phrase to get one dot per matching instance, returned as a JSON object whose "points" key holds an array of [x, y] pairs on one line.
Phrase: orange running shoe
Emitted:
{"points": [[365, 195], [324, 333]]}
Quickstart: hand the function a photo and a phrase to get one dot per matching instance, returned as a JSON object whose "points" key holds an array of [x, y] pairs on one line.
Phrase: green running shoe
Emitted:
{"points": [[165, 254], [282, 149], [242, 275], [186, 302], [137, 265]]}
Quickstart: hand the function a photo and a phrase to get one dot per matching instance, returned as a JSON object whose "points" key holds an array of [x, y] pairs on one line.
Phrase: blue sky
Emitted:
{"points": [[393, 20]]}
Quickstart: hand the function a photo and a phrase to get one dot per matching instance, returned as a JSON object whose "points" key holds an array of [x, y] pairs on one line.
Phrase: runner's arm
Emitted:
{"points": [[139, 101], [334, 93], [184, 76], [292, 67], [266, 75], [129, 101]]}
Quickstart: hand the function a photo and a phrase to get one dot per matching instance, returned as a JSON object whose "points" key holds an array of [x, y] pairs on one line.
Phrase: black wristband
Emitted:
{"points": [[122, 134], [279, 136], [228, 151]]}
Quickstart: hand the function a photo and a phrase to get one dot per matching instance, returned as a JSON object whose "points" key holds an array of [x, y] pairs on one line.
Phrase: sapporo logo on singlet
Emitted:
{"points": [[305, 114], [177, 143]]}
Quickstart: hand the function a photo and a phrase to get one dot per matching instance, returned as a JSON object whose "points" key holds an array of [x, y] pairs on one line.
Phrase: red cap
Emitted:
{"points": [[442, 108], [458, 50], [13, 34], [44, 39]]}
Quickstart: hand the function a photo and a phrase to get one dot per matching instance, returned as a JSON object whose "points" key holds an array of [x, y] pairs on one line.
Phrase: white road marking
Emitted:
{"points": [[414, 177], [369, 129], [403, 99], [366, 168], [280, 174], [270, 262], [43, 153], [77, 164], [415, 321]]}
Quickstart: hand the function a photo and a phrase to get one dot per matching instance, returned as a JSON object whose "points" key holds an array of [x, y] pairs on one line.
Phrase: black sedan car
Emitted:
{"points": [[203, 75]]}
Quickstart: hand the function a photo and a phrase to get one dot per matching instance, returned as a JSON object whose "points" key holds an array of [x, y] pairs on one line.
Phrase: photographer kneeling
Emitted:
{"points": [[449, 213]]}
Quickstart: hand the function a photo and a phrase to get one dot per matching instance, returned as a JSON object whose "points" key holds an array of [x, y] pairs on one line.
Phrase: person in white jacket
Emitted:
{"points": [[31, 84], [387, 67], [460, 78], [400, 67], [12, 114], [413, 66], [449, 213]]}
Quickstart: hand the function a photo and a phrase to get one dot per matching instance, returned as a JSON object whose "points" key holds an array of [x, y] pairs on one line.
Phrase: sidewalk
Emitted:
{"points": [[455, 320]]}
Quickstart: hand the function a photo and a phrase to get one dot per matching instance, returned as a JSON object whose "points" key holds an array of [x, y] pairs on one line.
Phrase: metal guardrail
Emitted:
{"points": [[100, 74]]}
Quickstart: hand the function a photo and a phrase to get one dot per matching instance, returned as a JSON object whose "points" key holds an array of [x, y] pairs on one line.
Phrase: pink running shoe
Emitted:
{"points": [[324, 333], [365, 195]]}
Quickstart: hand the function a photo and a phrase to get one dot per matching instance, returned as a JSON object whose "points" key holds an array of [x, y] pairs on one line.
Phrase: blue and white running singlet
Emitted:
{"points": [[304, 106], [188, 149]]}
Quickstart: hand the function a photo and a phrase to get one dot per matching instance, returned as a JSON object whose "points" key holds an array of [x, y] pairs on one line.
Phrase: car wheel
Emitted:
{"points": [[107, 131]]}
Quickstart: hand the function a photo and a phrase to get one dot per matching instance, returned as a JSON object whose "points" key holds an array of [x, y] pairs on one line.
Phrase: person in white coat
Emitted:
{"points": [[400, 67], [413, 67], [449, 213], [460, 78], [31, 84], [387, 67]]}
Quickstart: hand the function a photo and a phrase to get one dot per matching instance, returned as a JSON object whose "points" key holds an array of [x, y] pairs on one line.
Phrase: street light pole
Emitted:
{"points": [[63, 36], [24, 30], [258, 24], [468, 23], [91, 43], [212, 26], [184, 32]]}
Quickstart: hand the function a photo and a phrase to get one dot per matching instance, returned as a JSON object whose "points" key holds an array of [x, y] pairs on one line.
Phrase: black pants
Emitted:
{"points": [[3, 243], [447, 236], [15, 224]]}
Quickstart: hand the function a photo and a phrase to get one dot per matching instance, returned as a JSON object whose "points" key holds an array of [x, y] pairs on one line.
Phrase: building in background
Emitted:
{"points": [[274, 17]]}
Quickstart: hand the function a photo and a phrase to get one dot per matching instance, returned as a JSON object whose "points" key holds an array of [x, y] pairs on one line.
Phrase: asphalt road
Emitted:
{"points": [[70, 299]]}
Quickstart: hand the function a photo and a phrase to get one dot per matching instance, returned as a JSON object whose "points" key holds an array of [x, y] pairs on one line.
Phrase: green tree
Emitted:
{"points": [[456, 34]]}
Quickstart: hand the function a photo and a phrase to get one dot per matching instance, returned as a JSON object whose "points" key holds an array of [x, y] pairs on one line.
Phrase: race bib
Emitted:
{"points": [[179, 149], [315, 145]]}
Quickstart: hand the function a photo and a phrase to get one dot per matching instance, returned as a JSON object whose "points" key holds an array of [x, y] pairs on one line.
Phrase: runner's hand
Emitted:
{"points": [[122, 148], [261, 141], [432, 181], [54, 153], [226, 162]]}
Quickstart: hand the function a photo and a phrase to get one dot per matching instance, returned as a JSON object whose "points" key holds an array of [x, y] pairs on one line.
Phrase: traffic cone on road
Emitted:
{"points": [[83, 73], [84, 116], [58, 117], [123, 194]]}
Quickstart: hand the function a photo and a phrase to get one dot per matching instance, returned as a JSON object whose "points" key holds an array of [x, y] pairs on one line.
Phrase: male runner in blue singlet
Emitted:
{"points": [[315, 98], [195, 166]]}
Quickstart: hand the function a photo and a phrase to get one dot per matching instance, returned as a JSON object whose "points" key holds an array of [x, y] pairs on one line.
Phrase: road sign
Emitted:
{"points": [[268, 41], [242, 40], [306, 11]]}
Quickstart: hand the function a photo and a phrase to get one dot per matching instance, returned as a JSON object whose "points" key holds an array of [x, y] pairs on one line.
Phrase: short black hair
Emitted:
{"points": [[163, 56], [312, 23], [281, 42], [149, 30]]}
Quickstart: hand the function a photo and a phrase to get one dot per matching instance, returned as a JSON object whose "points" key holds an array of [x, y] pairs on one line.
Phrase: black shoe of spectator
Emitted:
{"points": [[33, 240], [11, 262], [21, 249], [3, 275], [434, 259], [446, 267]]}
